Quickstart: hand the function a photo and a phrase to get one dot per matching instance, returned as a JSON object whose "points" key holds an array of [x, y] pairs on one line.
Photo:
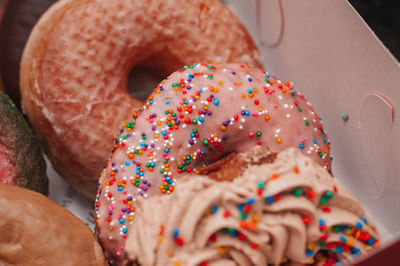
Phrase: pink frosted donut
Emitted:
{"points": [[196, 116]]}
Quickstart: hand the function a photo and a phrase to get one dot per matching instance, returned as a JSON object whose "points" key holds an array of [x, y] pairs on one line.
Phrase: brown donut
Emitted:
{"points": [[19, 17], [36, 231], [75, 67]]}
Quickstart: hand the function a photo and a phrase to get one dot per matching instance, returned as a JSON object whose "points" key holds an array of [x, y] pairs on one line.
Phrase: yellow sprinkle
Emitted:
{"points": [[238, 83], [160, 239], [206, 107], [256, 218], [130, 218], [350, 241], [170, 253], [220, 83], [267, 118], [366, 247], [111, 228], [223, 127], [159, 123], [278, 140], [260, 109], [284, 260], [243, 95], [222, 250], [311, 245], [177, 263], [311, 261], [124, 125], [255, 89]]}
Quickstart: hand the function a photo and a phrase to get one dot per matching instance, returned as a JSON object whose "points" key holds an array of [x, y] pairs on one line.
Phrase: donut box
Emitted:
{"points": [[326, 49]]}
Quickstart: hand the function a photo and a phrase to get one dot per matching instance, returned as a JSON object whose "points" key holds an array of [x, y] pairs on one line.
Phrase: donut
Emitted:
{"points": [[34, 230], [76, 62], [21, 159], [196, 116], [285, 212], [18, 20]]}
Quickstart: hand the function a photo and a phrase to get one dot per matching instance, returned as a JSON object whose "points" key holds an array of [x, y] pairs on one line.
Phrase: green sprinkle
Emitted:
{"points": [[336, 229], [258, 134], [324, 200], [194, 121], [261, 185], [205, 142], [243, 216], [306, 121], [297, 192], [328, 195], [300, 109]]}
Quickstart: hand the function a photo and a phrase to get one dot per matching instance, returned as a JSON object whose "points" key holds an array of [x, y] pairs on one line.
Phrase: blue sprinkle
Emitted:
{"points": [[201, 119], [167, 102], [315, 141], [266, 75], [240, 207], [309, 253], [339, 249], [270, 199], [164, 133], [142, 144], [343, 238], [355, 250], [321, 222], [122, 220], [345, 228], [324, 139], [125, 230], [371, 241], [127, 163], [151, 101], [249, 90], [301, 146], [141, 174], [234, 233], [216, 102], [363, 219], [250, 201], [200, 90], [120, 188], [166, 150], [175, 233], [214, 208], [359, 225], [247, 112]]}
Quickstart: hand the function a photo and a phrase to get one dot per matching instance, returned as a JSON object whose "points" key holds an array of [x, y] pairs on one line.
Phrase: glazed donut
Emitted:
{"points": [[76, 62], [288, 212], [34, 230], [196, 116]]}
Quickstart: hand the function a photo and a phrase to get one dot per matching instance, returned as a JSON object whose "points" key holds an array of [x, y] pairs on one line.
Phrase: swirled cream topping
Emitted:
{"points": [[290, 211]]}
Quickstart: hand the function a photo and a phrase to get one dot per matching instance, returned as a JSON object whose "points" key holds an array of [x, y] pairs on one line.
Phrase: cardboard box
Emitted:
{"points": [[331, 55]]}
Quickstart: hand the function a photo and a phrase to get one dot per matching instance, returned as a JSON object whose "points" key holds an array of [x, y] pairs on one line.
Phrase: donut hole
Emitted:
{"points": [[142, 81]]}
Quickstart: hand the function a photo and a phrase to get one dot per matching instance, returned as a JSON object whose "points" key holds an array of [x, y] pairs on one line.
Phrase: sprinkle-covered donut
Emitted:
{"points": [[196, 116], [75, 67]]}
